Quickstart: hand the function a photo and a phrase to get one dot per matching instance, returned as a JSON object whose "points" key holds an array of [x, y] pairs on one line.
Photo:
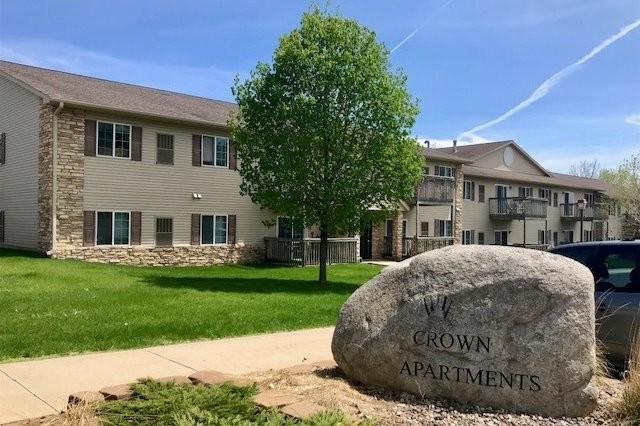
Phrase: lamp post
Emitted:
{"points": [[581, 204]]}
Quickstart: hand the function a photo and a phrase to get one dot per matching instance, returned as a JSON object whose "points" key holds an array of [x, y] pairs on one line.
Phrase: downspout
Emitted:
{"points": [[54, 185]]}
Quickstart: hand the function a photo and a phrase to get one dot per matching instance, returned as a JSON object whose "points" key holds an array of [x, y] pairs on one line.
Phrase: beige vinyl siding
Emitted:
{"points": [[426, 214], [521, 164], [475, 215], [19, 119], [160, 190]]}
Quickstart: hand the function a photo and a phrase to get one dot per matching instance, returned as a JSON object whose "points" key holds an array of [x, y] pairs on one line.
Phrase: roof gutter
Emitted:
{"points": [[54, 185]]}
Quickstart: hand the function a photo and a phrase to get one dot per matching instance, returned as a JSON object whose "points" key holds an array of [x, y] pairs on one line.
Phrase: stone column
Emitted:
{"points": [[377, 240], [45, 177], [70, 170], [396, 248], [457, 206]]}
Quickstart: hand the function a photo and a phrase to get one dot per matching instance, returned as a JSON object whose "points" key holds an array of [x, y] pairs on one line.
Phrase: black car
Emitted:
{"points": [[615, 266]]}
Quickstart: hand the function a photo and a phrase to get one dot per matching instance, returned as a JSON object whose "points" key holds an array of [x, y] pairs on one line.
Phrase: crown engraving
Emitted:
{"points": [[438, 306]]}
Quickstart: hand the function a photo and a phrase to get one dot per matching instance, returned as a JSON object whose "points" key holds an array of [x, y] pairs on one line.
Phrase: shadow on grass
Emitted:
{"points": [[21, 253], [251, 285]]}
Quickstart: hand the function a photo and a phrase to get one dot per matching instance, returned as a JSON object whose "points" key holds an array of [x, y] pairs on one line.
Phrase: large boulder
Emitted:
{"points": [[494, 326]]}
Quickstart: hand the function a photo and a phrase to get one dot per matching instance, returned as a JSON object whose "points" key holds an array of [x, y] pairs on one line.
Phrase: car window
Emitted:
{"points": [[580, 253], [623, 266]]}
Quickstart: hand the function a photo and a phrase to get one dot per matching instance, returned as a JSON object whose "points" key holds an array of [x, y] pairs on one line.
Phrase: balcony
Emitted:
{"points": [[307, 251], [517, 208], [569, 212], [435, 190]]}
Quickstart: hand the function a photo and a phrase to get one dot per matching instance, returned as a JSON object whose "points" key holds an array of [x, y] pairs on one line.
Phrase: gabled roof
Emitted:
{"points": [[96, 93], [434, 154], [475, 152]]}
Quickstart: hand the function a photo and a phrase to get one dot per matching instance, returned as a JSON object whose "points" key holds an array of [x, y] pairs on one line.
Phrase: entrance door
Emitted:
{"points": [[366, 238], [501, 194], [500, 237]]}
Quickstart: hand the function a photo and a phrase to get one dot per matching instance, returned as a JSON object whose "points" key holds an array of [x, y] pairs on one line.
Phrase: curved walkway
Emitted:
{"points": [[41, 387]]}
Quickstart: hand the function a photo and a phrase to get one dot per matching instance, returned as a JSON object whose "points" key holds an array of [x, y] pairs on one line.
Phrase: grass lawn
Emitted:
{"points": [[50, 306]]}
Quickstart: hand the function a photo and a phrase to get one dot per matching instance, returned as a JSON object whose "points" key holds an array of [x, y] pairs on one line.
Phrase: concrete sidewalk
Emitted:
{"points": [[37, 388]]}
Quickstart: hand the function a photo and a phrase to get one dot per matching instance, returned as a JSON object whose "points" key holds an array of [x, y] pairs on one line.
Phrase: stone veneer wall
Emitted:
{"points": [[459, 183], [377, 240], [45, 176], [70, 170], [396, 248], [165, 256]]}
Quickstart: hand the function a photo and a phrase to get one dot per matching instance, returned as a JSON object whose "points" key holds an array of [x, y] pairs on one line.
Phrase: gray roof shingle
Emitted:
{"points": [[104, 94]]}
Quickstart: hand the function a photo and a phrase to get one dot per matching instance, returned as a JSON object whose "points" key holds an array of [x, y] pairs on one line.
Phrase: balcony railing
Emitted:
{"points": [[518, 208], [570, 212], [412, 246], [435, 189], [307, 251]]}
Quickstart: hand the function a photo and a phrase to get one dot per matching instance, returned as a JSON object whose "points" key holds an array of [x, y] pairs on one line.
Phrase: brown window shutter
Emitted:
{"points": [[196, 150], [436, 227], [1, 227], [195, 229], [473, 191], [136, 143], [136, 228], [89, 228], [233, 161], [90, 138], [3, 147], [231, 238]]}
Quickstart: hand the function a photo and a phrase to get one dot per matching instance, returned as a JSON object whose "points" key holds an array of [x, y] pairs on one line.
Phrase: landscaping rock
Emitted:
{"points": [[118, 392], [212, 377], [302, 410], [178, 380], [274, 398], [484, 325], [85, 397]]}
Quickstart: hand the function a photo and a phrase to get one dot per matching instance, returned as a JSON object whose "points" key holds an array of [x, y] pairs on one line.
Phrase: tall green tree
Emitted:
{"points": [[625, 190], [323, 133]]}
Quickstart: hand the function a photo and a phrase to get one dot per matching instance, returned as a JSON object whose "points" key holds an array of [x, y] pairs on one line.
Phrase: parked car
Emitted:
{"points": [[616, 271]]}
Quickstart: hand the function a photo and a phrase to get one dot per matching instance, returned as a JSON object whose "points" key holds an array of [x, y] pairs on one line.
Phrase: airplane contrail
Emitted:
{"points": [[414, 32], [548, 84]]}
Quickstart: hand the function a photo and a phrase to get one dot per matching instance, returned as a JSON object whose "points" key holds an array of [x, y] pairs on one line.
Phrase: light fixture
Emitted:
{"points": [[196, 196], [581, 203]]}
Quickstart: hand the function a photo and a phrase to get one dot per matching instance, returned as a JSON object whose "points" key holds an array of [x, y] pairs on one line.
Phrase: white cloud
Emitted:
{"points": [[445, 143], [633, 119], [205, 80]]}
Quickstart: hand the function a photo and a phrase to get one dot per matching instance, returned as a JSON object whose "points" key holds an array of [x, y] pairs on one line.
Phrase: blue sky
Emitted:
{"points": [[469, 63]]}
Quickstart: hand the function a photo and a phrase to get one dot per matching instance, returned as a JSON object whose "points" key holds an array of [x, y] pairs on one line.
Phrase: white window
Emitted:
{"points": [[588, 235], [469, 188], [567, 236], [113, 228], [445, 171], [113, 140], [215, 151], [290, 228], [525, 191], [214, 229], [164, 232], [442, 228], [590, 198], [500, 237], [468, 236], [424, 229], [546, 194], [542, 237]]}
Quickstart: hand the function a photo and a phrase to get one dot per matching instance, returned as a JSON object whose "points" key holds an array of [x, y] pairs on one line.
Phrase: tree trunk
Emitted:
{"points": [[324, 245]]}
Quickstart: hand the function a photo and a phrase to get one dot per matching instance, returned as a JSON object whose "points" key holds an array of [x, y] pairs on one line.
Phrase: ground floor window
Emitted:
{"points": [[468, 236], [112, 228], [424, 229], [500, 237], [290, 228], [164, 232], [481, 238], [214, 229], [542, 237], [442, 228], [568, 236], [588, 235]]}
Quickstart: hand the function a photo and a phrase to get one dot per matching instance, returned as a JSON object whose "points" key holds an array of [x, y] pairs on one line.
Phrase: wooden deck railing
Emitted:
{"points": [[412, 246], [307, 251], [436, 189], [517, 208], [571, 212]]}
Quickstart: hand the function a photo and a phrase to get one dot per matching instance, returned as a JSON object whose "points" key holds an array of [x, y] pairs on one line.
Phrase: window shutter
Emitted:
{"points": [[89, 227], [195, 229], [437, 171], [233, 161], [481, 193], [3, 147], [136, 143], [232, 229], [436, 227], [473, 191], [136, 228], [90, 138], [1, 227], [196, 152]]}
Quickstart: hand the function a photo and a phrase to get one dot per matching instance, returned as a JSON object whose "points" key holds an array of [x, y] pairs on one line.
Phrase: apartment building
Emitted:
{"points": [[112, 172]]}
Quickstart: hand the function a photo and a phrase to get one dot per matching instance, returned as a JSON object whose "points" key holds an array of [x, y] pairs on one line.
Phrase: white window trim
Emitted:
{"points": [[174, 149], [471, 235], [155, 233], [215, 151], [421, 234], [501, 231], [504, 186], [304, 229], [113, 227], [226, 243], [450, 168], [467, 195], [113, 142]]}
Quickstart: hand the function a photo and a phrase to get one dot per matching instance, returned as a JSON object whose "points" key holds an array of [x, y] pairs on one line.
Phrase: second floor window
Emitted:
{"points": [[469, 190], [215, 151], [525, 191], [445, 171], [546, 194], [114, 140]]}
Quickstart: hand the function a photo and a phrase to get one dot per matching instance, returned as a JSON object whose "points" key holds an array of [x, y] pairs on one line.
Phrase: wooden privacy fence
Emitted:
{"points": [[413, 246], [306, 251]]}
